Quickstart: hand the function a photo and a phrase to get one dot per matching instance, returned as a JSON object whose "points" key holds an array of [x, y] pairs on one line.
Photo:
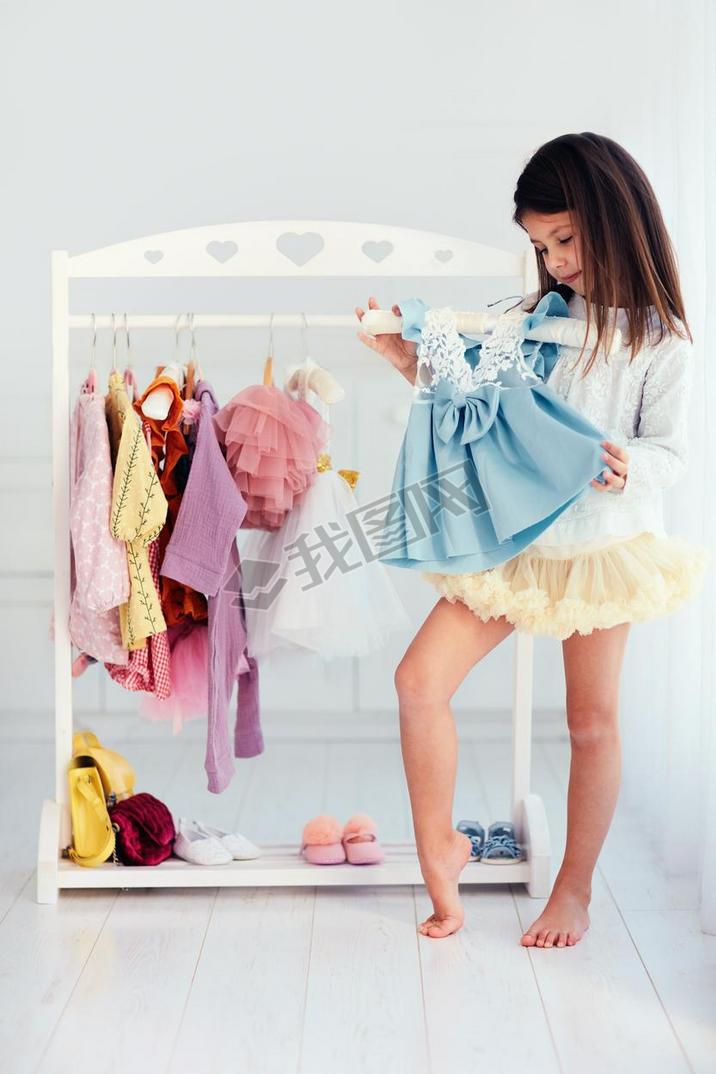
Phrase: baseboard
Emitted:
{"points": [[489, 724]]}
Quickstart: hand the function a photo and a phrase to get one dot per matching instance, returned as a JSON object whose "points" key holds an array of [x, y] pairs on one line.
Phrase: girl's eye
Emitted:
{"points": [[562, 241]]}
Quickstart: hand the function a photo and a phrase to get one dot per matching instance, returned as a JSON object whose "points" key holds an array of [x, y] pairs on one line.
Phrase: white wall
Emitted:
{"points": [[124, 120]]}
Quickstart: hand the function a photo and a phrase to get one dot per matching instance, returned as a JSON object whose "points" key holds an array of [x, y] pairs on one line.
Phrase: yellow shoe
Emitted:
{"points": [[92, 831], [115, 771]]}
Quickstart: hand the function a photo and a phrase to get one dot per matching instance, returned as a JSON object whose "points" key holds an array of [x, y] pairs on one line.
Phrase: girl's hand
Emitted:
{"points": [[618, 459], [400, 352]]}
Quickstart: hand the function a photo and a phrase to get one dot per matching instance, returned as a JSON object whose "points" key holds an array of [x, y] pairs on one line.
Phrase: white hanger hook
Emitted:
{"points": [[114, 342], [129, 344], [93, 351], [193, 337], [304, 335], [177, 330], [270, 342]]}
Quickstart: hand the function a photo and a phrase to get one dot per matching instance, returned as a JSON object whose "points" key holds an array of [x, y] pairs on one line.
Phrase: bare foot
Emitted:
{"points": [[563, 921], [441, 871]]}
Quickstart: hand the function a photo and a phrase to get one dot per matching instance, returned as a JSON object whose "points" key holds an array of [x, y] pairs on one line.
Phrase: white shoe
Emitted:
{"points": [[197, 847], [240, 848]]}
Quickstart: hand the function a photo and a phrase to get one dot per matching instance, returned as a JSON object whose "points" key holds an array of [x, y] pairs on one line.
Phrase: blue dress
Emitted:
{"points": [[491, 455]]}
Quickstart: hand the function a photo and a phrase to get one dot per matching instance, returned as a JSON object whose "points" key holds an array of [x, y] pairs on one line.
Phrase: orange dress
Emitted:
{"points": [[170, 455]]}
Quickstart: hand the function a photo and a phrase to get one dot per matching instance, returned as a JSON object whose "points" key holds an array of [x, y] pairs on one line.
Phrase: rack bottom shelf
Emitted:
{"points": [[283, 866], [279, 866]]}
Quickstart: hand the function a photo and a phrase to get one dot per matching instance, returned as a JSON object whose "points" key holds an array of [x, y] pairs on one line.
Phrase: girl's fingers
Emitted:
{"points": [[369, 341], [614, 449], [611, 481], [617, 465], [359, 313]]}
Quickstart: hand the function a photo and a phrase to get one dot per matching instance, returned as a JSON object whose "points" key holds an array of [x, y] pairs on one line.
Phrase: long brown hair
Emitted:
{"points": [[627, 256]]}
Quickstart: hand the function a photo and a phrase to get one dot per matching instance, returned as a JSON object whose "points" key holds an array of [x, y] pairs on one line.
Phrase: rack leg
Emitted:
{"points": [[521, 726], [61, 523], [48, 853], [528, 814], [536, 839]]}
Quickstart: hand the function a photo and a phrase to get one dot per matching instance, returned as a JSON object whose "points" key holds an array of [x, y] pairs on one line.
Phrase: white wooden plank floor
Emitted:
{"points": [[337, 981]]}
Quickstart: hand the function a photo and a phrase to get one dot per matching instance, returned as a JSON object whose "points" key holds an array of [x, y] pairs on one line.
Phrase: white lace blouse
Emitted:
{"points": [[641, 406]]}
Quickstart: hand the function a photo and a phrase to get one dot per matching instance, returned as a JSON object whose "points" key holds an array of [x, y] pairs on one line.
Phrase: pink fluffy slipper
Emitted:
{"points": [[360, 841], [321, 841]]}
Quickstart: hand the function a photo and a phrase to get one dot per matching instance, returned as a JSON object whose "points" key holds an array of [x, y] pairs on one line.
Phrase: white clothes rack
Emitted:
{"points": [[266, 249]]}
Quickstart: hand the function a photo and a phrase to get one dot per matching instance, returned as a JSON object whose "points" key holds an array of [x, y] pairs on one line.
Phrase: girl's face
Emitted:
{"points": [[557, 243]]}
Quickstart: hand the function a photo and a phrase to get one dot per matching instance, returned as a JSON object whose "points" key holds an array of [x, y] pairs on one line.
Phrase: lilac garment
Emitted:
{"points": [[202, 553]]}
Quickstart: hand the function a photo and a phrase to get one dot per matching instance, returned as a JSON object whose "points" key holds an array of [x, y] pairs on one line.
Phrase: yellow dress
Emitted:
{"points": [[139, 508]]}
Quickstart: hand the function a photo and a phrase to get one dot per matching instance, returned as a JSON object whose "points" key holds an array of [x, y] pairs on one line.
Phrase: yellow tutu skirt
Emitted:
{"points": [[560, 591]]}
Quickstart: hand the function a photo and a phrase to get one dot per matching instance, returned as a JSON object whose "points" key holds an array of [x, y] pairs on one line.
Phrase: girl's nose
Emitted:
{"points": [[556, 264]]}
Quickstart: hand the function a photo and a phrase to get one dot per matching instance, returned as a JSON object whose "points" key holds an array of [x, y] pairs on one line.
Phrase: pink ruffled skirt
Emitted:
{"points": [[271, 443]]}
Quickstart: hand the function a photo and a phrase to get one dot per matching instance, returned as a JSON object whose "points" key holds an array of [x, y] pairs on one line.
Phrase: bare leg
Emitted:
{"points": [[592, 669], [450, 642]]}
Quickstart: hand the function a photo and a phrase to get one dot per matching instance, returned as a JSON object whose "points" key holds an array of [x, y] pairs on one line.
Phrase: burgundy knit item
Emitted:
{"points": [[146, 830]]}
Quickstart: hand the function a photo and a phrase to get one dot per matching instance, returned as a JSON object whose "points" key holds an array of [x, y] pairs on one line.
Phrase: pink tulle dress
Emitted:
{"points": [[271, 443], [187, 700]]}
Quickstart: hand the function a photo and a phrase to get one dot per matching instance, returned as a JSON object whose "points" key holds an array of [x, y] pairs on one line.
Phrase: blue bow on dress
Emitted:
{"points": [[476, 411]]}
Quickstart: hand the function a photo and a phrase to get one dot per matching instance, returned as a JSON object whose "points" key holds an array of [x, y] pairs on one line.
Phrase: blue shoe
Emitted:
{"points": [[501, 846], [476, 833]]}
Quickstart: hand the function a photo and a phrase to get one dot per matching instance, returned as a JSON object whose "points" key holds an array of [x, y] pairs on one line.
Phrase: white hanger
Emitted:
{"points": [[310, 376], [569, 331], [158, 403]]}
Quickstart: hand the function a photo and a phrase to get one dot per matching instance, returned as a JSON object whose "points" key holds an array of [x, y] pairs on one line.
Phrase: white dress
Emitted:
{"points": [[607, 559], [331, 601]]}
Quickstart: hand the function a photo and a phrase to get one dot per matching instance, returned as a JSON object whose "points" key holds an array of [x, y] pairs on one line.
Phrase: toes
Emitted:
{"points": [[561, 939], [437, 929], [548, 938], [528, 940]]}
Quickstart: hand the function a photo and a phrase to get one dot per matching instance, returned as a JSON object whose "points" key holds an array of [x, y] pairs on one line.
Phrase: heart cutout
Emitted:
{"points": [[222, 251], [300, 248], [377, 251], [153, 256], [443, 256]]}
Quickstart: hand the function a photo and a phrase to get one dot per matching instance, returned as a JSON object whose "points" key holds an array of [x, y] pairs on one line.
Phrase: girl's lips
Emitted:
{"points": [[568, 279]]}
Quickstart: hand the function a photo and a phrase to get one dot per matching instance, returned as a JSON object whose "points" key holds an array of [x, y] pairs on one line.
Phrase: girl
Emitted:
{"points": [[600, 241]]}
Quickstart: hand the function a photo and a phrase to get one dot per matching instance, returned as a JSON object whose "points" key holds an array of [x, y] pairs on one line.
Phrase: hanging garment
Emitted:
{"points": [[139, 508], [148, 667], [99, 575], [189, 660], [317, 593], [491, 455], [202, 553], [271, 443], [170, 455]]}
